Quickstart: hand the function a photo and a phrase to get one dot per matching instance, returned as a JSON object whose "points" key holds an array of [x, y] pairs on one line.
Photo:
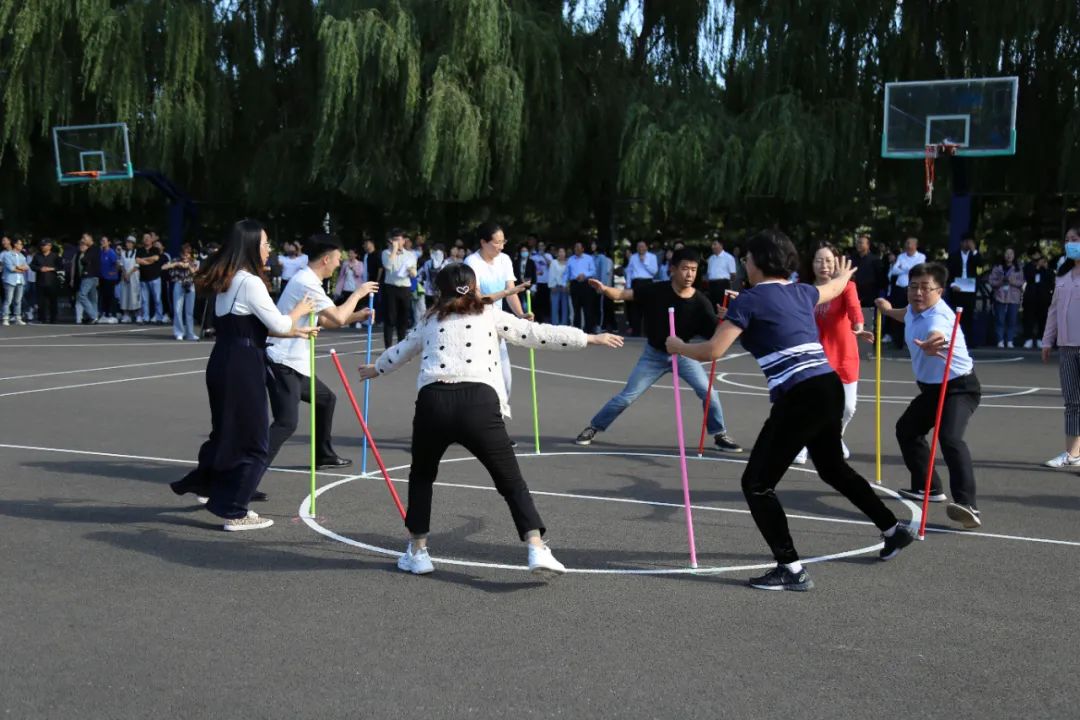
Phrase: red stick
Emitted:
{"points": [[937, 425], [367, 434], [708, 394]]}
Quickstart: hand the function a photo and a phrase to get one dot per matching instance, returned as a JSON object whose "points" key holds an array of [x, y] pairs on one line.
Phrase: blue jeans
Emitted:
{"points": [[560, 306], [651, 366], [12, 293], [87, 298], [183, 304], [148, 289], [1005, 316]]}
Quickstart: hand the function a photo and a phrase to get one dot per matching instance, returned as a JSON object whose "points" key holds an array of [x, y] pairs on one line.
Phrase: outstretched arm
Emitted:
{"points": [[625, 295], [725, 336]]}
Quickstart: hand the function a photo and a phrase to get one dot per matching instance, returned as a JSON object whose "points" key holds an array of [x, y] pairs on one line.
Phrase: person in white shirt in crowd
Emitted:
{"points": [[542, 291], [641, 269], [13, 266], [462, 401], [233, 459], [416, 291], [605, 273], [399, 269], [130, 293], [288, 382], [352, 275], [181, 273], [721, 271], [963, 281], [291, 261], [495, 277], [559, 285], [898, 275], [580, 268], [431, 267]]}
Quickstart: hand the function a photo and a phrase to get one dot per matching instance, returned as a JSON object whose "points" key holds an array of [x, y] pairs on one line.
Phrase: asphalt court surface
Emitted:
{"points": [[121, 600]]}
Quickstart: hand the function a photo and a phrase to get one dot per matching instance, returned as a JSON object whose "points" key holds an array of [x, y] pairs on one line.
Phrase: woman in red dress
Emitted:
{"points": [[840, 326]]}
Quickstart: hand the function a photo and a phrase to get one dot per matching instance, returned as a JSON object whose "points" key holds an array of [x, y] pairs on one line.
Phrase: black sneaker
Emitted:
{"points": [[585, 437], [936, 496], [780, 578], [893, 545], [513, 443], [966, 515], [332, 462], [724, 443]]}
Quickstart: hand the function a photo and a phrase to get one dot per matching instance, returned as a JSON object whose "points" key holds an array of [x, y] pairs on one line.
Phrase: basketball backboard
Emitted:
{"points": [[976, 115], [87, 153]]}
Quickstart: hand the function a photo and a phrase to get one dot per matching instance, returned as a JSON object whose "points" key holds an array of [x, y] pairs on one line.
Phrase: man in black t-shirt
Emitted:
{"points": [[694, 317], [149, 260]]}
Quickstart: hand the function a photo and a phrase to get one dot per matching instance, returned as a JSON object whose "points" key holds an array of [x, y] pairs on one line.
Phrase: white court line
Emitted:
{"points": [[348, 478], [82, 334], [147, 377], [911, 382], [722, 377]]}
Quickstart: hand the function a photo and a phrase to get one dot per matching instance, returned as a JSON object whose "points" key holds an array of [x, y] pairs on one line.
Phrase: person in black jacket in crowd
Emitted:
{"points": [[869, 278], [1037, 296], [964, 268], [85, 274], [47, 265]]}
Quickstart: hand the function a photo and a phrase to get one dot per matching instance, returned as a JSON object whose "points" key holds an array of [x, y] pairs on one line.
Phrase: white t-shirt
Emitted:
{"points": [[293, 352], [492, 277], [291, 265], [247, 295]]}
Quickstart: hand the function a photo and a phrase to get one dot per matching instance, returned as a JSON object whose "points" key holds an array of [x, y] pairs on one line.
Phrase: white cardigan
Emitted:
{"points": [[465, 348]]}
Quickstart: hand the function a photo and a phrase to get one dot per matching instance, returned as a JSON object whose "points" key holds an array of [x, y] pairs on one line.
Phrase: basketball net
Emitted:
{"points": [[932, 152]]}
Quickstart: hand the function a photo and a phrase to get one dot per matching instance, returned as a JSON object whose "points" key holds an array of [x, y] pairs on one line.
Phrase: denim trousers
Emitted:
{"points": [[13, 294], [87, 298], [184, 311], [150, 289]]}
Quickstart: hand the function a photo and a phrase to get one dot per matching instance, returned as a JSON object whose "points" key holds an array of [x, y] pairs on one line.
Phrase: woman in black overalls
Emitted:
{"points": [[233, 460]]}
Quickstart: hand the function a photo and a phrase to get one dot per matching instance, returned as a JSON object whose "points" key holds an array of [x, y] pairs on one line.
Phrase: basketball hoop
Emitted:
{"points": [[932, 153], [91, 174]]}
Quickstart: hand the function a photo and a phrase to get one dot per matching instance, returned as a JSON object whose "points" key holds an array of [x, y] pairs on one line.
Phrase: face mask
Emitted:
{"points": [[524, 253], [437, 257], [1072, 250]]}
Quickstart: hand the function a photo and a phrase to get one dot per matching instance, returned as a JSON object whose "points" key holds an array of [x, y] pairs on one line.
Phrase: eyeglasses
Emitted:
{"points": [[922, 288]]}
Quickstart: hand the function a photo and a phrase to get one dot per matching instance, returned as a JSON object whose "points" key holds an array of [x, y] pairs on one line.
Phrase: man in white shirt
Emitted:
{"points": [[288, 381], [399, 268], [641, 269], [542, 297], [580, 268], [720, 271], [963, 282], [898, 275], [292, 261]]}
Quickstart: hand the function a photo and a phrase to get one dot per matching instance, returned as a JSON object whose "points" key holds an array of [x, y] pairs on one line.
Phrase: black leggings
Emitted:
{"points": [[466, 414], [397, 308], [808, 415]]}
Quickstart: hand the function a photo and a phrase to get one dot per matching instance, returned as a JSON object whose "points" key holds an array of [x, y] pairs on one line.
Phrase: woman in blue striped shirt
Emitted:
{"points": [[775, 322]]}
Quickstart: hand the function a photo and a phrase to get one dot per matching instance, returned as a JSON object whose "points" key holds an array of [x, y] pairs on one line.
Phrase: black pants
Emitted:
{"points": [[962, 397], [633, 309], [287, 389], [585, 308], [48, 300], [808, 415], [466, 414], [716, 290], [541, 303], [895, 328], [966, 301], [1034, 317], [107, 304], [397, 308]]}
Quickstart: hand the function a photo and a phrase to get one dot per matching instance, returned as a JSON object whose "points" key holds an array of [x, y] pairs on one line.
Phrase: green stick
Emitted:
{"points": [[532, 375], [311, 398]]}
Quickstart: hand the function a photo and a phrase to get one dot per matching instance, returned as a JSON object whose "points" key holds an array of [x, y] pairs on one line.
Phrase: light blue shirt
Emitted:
{"points": [[917, 326], [638, 269], [11, 260], [584, 265], [605, 269]]}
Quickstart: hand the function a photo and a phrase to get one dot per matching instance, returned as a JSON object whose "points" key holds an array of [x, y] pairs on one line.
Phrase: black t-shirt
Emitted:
{"points": [[694, 316], [153, 270]]}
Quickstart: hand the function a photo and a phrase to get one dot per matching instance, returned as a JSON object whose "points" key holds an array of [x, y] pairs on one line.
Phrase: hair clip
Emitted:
{"points": [[462, 289]]}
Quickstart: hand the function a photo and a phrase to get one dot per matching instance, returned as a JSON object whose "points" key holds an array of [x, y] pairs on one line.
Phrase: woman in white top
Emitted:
{"points": [[233, 460], [560, 289], [463, 400], [130, 296]]}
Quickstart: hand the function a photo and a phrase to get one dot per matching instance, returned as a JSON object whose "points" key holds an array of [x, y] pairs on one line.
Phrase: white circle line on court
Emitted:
{"points": [[712, 570]]}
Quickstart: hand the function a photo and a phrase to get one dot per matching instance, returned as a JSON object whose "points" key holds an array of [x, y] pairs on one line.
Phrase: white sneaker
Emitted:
{"points": [[886, 340], [844, 447], [1028, 343], [1062, 460], [1001, 343], [800, 459], [1009, 344], [543, 563], [178, 337], [251, 522], [202, 499], [5, 322], [418, 562], [1038, 344]]}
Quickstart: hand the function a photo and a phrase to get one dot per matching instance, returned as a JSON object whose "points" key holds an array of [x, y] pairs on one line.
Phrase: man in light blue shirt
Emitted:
{"points": [[580, 268], [605, 273], [14, 267], [641, 269], [928, 325]]}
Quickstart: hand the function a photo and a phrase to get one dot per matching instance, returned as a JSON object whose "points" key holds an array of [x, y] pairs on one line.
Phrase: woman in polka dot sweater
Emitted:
{"points": [[462, 400]]}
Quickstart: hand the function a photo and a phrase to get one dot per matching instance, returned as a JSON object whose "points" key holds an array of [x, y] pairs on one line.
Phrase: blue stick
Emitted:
{"points": [[367, 383]]}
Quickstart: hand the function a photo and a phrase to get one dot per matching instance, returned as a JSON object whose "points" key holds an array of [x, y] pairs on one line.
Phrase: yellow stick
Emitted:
{"points": [[877, 394]]}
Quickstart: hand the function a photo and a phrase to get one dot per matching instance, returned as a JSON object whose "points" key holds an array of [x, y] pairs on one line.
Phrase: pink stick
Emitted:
{"points": [[682, 446]]}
